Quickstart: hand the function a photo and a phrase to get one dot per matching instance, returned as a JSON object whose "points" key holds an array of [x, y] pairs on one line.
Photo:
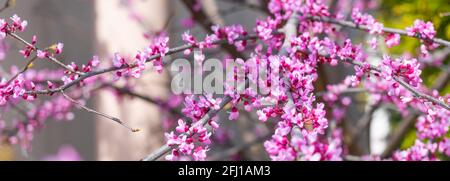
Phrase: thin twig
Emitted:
{"points": [[25, 68], [117, 120], [53, 59], [8, 3], [147, 99]]}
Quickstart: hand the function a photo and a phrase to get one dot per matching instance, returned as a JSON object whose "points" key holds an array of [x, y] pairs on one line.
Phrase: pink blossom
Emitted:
{"points": [[118, 61], [188, 38], [421, 29], [409, 69], [373, 42], [18, 23], [200, 153], [182, 127], [41, 54], [3, 26], [264, 29], [368, 20], [419, 151], [186, 146], [172, 139], [234, 114], [65, 153], [392, 39], [173, 156], [59, 48], [95, 61], [444, 146], [262, 116]]}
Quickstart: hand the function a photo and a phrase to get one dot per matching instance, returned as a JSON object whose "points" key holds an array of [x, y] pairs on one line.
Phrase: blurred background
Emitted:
{"points": [[103, 27]]}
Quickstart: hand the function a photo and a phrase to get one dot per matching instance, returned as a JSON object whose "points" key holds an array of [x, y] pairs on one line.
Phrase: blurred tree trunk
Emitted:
{"points": [[116, 31]]}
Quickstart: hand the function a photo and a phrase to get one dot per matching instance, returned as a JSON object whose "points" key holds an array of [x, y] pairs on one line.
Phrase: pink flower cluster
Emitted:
{"points": [[45, 53], [17, 24], [433, 125], [408, 69], [265, 28], [444, 146], [426, 32], [367, 20], [21, 132], [421, 29], [190, 135], [155, 51], [376, 28], [15, 89], [310, 148], [392, 39], [231, 33], [418, 152]]}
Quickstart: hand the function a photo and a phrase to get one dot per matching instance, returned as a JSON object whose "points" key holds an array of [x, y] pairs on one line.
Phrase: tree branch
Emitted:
{"points": [[111, 69], [203, 19], [117, 120], [290, 30], [164, 105], [408, 122], [385, 29], [34, 48]]}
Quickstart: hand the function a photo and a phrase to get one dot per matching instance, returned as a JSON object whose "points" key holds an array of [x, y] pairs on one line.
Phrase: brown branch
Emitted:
{"points": [[362, 124], [53, 59], [203, 19], [290, 29], [403, 84], [147, 99], [366, 28], [238, 148], [203, 121], [408, 122], [117, 120], [111, 69], [8, 3], [249, 5], [25, 68]]}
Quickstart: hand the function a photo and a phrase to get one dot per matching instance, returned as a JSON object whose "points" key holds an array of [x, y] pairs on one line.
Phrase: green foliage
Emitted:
{"points": [[401, 14]]}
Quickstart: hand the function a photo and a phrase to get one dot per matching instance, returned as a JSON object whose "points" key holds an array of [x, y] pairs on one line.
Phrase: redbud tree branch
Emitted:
{"points": [[117, 120], [111, 69], [405, 85], [206, 23], [25, 68], [203, 121], [290, 30], [408, 122], [366, 28], [8, 3], [35, 49], [127, 91]]}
